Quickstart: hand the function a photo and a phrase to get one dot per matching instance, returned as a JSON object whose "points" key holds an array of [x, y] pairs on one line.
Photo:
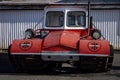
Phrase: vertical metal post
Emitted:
{"points": [[88, 30], [89, 14], [91, 21]]}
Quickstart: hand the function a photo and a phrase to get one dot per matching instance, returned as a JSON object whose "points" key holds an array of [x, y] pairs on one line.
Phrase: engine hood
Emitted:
{"points": [[68, 39]]}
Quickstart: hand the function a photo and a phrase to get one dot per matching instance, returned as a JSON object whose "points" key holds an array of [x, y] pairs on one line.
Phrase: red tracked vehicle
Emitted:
{"points": [[67, 36]]}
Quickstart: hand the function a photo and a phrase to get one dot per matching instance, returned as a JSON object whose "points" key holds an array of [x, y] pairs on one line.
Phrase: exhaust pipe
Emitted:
{"points": [[89, 22]]}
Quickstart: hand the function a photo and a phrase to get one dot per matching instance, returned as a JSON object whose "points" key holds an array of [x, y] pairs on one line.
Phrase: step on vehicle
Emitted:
{"points": [[67, 36]]}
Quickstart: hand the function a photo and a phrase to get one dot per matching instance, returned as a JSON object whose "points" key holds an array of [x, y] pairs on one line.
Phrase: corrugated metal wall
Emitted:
{"points": [[108, 21], [0, 32], [13, 23]]}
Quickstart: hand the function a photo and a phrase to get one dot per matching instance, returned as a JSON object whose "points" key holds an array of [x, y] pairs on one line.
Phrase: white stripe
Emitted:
{"points": [[25, 53], [69, 54]]}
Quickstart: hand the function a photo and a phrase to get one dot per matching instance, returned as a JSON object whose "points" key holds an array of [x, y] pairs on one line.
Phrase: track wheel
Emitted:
{"points": [[14, 61], [37, 65], [110, 59], [29, 64]]}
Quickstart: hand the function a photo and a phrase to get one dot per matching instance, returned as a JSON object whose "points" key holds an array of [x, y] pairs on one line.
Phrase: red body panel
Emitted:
{"points": [[26, 46], [70, 39], [62, 38], [94, 47]]}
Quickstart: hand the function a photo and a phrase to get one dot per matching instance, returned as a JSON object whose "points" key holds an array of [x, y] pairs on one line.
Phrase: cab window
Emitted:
{"points": [[76, 19], [54, 19]]}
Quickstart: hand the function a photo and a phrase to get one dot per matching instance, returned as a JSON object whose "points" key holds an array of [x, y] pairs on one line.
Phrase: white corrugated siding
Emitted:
{"points": [[0, 33], [15, 22], [108, 21]]}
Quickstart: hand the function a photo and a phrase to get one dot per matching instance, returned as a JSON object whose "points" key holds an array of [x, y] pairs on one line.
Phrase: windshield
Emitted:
{"points": [[76, 19], [55, 19]]}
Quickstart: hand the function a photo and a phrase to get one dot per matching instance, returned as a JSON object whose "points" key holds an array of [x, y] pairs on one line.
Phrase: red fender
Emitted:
{"points": [[26, 46], [94, 47]]}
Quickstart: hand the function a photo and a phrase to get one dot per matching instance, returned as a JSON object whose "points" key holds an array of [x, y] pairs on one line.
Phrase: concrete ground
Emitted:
{"points": [[7, 72]]}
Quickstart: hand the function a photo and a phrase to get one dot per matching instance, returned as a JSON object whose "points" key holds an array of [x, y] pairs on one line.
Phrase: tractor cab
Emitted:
{"points": [[65, 18], [67, 36]]}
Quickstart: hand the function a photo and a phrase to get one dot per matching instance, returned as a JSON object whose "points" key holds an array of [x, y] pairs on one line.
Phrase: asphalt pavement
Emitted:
{"points": [[7, 72]]}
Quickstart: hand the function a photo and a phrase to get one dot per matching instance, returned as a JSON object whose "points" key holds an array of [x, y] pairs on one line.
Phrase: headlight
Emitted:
{"points": [[96, 34], [29, 33]]}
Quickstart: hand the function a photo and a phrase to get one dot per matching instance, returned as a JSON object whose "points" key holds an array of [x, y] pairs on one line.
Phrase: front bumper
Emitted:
{"points": [[57, 56]]}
